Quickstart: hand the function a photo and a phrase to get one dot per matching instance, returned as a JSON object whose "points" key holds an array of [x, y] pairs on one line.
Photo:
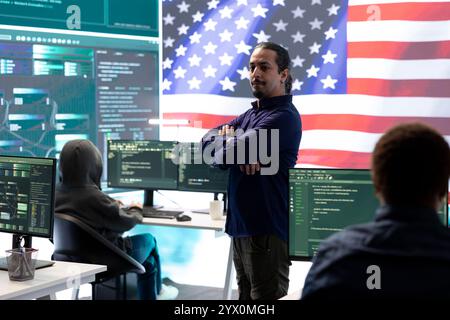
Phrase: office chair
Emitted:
{"points": [[75, 241]]}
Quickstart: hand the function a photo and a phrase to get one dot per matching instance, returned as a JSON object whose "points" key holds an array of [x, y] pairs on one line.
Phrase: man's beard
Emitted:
{"points": [[258, 94]]}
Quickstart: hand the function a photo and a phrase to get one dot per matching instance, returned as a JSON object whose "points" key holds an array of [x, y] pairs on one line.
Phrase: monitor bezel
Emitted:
{"points": [[310, 258], [136, 187], [49, 235]]}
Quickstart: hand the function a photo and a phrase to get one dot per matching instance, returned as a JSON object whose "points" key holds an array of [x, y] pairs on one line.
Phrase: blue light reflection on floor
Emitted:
{"points": [[175, 245]]}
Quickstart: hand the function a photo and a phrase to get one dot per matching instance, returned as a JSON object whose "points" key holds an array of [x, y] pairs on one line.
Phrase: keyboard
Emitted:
{"points": [[148, 212], [39, 264]]}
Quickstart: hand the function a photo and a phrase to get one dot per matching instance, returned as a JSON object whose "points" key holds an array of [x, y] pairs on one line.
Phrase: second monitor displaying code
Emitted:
{"points": [[142, 164], [325, 201]]}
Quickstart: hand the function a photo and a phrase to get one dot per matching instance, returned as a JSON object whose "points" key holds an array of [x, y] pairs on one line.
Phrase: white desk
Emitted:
{"points": [[48, 281], [204, 222]]}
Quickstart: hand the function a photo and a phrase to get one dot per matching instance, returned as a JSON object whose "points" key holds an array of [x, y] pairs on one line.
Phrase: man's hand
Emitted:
{"points": [[250, 169], [227, 131], [135, 204]]}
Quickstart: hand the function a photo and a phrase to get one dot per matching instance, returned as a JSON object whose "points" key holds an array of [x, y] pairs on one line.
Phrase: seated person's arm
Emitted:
{"points": [[116, 218]]}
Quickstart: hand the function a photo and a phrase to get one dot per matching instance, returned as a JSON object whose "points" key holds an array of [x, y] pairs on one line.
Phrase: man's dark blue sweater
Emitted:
{"points": [[258, 204]]}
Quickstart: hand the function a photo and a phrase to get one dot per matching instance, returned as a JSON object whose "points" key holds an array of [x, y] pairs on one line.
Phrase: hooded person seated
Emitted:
{"points": [[79, 194]]}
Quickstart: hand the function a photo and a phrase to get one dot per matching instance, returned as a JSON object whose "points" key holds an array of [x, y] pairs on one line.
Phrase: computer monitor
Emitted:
{"points": [[195, 175], [27, 196], [98, 80], [325, 201], [142, 164]]}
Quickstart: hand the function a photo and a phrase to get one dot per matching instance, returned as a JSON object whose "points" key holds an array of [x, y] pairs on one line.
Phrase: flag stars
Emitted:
{"points": [[210, 72], [241, 23], [167, 63], [210, 25], [225, 35], [280, 25], [195, 38], [197, 17], [242, 2], [329, 82], [181, 50], [329, 57], [194, 83], [278, 2], [259, 11], [298, 13], [314, 48], [183, 29], [243, 48], [244, 73], [316, 24], [225, 59], [194, 60], [168, 43], [165, 85], [333, 10], [212, 4], [330, 33], [168, 19], [298, 62], [227, 84], [179, 72], [297, 85], [313, 2], [298, 37], [261, 36], [312, 72], [183, 7], [226, 12], [210, 48]]}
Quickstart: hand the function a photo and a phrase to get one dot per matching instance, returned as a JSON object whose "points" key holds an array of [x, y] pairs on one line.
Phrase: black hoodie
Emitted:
{"points": [[79, 192]]}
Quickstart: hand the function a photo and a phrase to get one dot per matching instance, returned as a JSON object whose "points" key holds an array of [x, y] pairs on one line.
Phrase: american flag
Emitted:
{"points": [[359, 67]]}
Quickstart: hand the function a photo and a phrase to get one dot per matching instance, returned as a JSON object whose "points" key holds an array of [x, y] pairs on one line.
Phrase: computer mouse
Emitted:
{"points": [[183, 217]]}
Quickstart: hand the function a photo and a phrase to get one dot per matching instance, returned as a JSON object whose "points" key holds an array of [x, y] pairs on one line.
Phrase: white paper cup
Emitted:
{"points": [[216, 209]]}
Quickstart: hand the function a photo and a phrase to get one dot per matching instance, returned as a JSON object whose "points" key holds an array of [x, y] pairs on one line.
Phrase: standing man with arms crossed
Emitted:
{"points": [[257, 218]]}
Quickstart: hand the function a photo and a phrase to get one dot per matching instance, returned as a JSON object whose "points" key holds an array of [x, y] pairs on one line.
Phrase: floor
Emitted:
{"points": [[185, 291]]}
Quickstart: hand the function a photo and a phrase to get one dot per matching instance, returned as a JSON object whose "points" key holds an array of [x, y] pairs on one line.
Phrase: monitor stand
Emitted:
{"points": [[148, 200]]}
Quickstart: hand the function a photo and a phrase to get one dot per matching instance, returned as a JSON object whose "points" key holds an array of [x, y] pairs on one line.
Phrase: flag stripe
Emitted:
{"points": [[205, 103], [400, 11], [404, 31], [399, 50], [199, 120], [334, 158], [314, 104], [398, 69], [322, 121], [399, 88]]}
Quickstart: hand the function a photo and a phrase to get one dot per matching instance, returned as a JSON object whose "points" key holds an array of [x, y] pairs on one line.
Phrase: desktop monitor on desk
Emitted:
{"points": [[197, 176], [142, 164], [325, 201], [27, 200]]}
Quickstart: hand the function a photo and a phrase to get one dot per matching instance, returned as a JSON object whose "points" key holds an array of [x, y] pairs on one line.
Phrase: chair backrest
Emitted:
{"points": [[75, 241]]}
